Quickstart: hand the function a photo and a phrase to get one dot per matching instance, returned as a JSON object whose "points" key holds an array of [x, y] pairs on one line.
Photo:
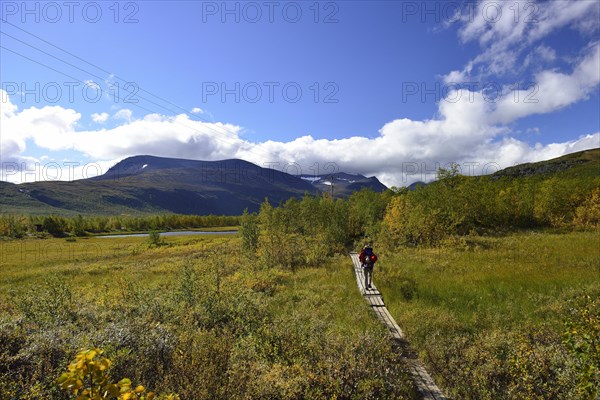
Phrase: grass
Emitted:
{"points": [[197, 317], [207, 229], [193, 316], [488, 297], [90, 259], [331, 294]]}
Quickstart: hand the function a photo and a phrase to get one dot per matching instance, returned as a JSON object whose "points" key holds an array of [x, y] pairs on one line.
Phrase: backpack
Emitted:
{"points": [[368, 254]]}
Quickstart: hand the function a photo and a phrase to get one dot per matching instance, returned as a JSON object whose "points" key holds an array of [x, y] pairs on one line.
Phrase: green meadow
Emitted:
{"points": [[490, 318], [192, 316], [196, 316]]}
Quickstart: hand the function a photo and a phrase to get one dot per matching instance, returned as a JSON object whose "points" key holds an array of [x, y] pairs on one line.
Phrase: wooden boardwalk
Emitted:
{"points": [[424, 384]]}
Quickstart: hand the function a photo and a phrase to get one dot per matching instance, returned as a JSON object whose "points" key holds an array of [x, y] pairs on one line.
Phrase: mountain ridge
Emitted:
{"points": [[343, 184], [554, 165], [146, 184]]}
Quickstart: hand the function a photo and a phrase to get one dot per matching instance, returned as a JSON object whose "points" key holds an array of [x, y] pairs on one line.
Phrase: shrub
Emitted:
{"points": [[538, 366], [87, 377], [154, 239], [51, 302], [54, 225], [12, 226], [249, 232], [588, 214], [582, 338], [410, 222]]}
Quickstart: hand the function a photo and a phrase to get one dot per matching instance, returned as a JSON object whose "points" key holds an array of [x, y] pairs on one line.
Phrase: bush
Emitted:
{"points": [[54, 225], [249, 231], [409, 222], [154, 239], [582, 338], [87, 377], [48, 303], [588, 214], [12, 226]]}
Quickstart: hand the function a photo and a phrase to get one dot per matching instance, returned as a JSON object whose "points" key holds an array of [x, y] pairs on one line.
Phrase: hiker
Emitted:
{"points": [[368, 260]]}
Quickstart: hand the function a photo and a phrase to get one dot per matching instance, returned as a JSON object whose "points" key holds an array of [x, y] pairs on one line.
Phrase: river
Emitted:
{"points": [[173, 233]]}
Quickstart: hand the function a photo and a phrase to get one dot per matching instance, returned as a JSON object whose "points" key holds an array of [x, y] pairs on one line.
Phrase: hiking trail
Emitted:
{"points": [[424, 384]]}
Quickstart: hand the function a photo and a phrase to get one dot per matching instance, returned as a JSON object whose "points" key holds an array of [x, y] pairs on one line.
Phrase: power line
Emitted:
{"points": [[224, 131], [79, 80], [62, 73], [92, 64], [93, 75]]}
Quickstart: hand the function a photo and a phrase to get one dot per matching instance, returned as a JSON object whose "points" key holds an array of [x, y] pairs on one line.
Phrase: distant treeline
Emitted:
{"points": [[18, 226], [453, 206], [457, 205], [301, 231]]}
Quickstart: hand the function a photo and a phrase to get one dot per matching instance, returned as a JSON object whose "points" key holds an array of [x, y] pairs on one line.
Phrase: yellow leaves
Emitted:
{"points": [[87, 378], [395, 213], [112, 390], [91, 354], [588, 213], [125, 384], [104, 364]]}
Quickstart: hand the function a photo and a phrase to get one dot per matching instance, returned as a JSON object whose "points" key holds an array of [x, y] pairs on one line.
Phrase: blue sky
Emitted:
{"points": [[374, 87]]}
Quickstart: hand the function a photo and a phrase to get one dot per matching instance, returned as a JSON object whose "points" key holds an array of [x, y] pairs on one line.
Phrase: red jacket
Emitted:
{"points": [[362, 257]]}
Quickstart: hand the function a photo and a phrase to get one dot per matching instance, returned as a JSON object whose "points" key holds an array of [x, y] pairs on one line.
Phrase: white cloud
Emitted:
{"points": [[468, 129], [100, 118], [50, 127], [552, 90], [167, 136], [581, 15], [92, 85], [507, 37], [47, 169], [124, 114], [546, 53], [8, 109], [456, 76], [539, 57], [197, 110]]}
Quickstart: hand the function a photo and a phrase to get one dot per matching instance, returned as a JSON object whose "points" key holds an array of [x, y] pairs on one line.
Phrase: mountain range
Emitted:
{"points": [[149, 184], [343, 184]]}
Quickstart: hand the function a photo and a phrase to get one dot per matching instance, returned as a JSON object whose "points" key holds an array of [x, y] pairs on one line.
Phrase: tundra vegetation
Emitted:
{"points": [[496, 281]]}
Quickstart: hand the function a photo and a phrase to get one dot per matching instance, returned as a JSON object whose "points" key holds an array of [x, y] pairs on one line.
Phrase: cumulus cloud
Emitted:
{"points": [[124, 114], [551, 90], [176, 136], [100, 118], [469, 128], [404, 151], [197, 110], [50, 127]]}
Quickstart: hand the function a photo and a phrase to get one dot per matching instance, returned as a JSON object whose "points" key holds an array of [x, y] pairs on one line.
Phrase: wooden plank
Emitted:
{"points": [[424, 384]]}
